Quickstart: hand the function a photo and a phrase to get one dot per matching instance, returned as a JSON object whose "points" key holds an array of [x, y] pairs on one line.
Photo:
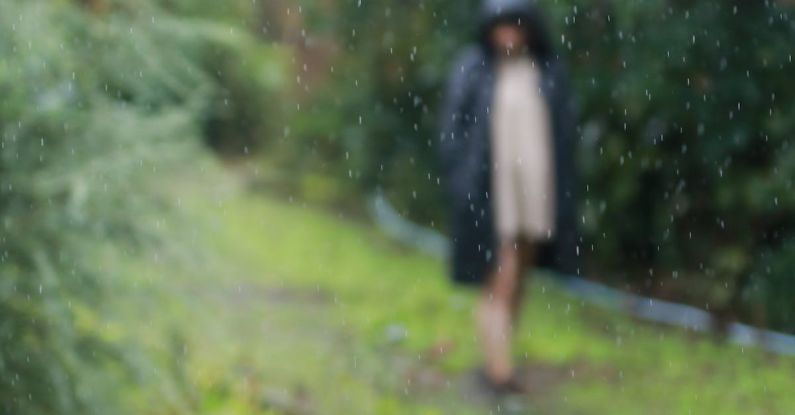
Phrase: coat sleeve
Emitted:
{"points": [[567, 113], [566, 119], [454, 116]]}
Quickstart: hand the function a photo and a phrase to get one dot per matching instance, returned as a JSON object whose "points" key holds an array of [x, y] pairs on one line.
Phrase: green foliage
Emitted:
{"points": [[372, 123], [686, 145], [686, 114], [245, 110], [96, 107]]}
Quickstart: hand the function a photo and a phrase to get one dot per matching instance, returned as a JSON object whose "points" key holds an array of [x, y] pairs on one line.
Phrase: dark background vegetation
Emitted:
{"points": [[686, 110], [686, 121]]}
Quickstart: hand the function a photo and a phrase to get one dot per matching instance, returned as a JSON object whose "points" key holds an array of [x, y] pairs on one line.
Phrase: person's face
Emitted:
{"points": [[508, 38]]}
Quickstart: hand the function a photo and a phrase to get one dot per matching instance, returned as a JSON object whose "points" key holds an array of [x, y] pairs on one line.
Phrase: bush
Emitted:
{"points": [[98, 103], [688, 119]]}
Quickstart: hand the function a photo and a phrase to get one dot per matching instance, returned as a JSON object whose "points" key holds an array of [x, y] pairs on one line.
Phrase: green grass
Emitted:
{"points": [[295, 309]]}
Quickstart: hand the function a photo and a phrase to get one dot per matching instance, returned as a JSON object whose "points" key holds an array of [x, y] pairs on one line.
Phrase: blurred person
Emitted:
{"points": [[507, 159]]}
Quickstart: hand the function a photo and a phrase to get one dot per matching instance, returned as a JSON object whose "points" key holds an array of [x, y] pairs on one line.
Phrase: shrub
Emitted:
{"points": [[98, 104]]}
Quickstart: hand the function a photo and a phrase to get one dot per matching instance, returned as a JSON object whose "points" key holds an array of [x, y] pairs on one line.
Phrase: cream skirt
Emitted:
{"points": [[522, 154]]}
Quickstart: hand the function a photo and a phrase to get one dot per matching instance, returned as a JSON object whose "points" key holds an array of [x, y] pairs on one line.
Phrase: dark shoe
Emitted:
{"points": [[512, 386]]}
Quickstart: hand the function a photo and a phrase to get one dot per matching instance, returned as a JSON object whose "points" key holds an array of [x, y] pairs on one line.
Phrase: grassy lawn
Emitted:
{"points": [[292, 309]]}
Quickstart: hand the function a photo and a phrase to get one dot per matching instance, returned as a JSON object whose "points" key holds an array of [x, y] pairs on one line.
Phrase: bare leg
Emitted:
{"points": [[495, 310], [527, 256]]}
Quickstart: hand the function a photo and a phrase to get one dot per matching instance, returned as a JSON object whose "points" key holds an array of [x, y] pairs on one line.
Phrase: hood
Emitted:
{"points": [[524, 11]]}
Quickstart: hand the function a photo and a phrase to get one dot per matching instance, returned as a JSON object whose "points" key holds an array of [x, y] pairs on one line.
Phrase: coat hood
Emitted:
{"points": [[523, 12]]}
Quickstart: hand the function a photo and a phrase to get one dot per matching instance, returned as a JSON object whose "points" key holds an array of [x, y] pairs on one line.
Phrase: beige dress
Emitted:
{"points": [[523, 175]]}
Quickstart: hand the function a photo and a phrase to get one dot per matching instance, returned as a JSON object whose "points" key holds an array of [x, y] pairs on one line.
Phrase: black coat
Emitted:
{"points": [[465, 153]]}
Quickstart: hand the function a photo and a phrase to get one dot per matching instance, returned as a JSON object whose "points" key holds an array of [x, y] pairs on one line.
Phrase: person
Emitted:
{"points": [[507, 161]]}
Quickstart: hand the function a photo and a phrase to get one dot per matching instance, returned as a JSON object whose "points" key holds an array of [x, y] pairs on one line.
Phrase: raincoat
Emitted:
{"points": [[465, 155]]}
